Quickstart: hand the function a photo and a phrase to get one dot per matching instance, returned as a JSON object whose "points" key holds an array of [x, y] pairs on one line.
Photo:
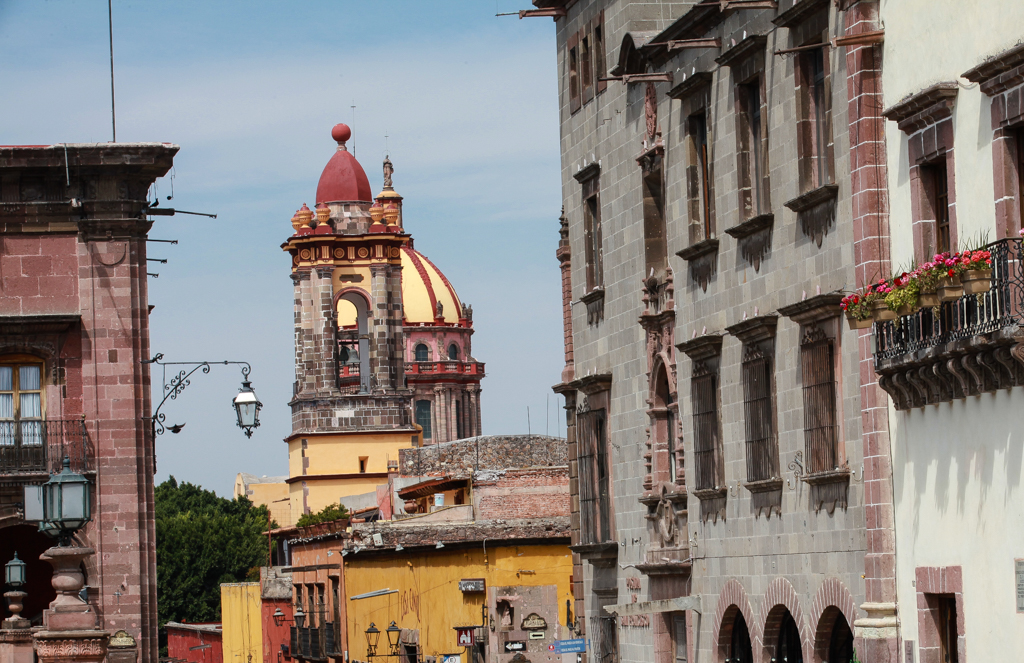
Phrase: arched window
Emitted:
{"points": [[422, 352], [423, 417], [453, 352], [739, 647], [21, 403], [788, 648]]}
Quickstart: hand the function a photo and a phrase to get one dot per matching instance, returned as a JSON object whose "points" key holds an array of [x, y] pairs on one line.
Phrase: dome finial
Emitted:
{"points": [[341, 133]]}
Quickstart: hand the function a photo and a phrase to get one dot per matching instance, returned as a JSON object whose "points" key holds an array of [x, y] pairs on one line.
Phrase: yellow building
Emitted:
{"points": [[241, 624], [271, 492]]}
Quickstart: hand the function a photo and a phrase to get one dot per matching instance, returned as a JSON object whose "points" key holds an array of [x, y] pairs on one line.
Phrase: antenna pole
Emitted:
{"points": [[353, 126], [110, 25]]}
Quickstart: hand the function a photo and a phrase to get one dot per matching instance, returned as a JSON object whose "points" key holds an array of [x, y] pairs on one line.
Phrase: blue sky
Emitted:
{"points": [[250, 91]]}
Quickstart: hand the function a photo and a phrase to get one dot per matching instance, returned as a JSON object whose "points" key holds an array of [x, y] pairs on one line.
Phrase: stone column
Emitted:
{"points": [[473, 390], [453, 414], [15, 632], [441, 405], [303, 333], [70, 632], [380, 357], [564, 255], [325, 336], [877, 635]]}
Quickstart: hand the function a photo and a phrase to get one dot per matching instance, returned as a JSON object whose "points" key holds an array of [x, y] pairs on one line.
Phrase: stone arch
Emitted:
{"points": [[361, 300], [832, 599], [733, 600], [778, 598]]}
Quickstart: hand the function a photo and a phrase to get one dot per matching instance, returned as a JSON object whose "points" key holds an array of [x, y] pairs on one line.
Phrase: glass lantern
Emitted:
{"points": [[67, 503], [14, 572], [247, 408]]}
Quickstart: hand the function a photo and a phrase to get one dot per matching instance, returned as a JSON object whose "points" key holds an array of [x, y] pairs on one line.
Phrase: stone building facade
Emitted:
{"points": [[728, 444], [74, 333]]}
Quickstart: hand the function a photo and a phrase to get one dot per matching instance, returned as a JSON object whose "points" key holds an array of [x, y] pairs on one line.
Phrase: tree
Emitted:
{"points": [[202, 541], [327, 514]]}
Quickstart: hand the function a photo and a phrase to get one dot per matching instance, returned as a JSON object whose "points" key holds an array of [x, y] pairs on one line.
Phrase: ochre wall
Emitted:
{"points": [[428, 597], [240, 621]]}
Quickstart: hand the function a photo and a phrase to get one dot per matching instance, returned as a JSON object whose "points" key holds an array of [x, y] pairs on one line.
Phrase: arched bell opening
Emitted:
{"points": [[353, 310], [734, 644], [29, 543], [782, 641]]}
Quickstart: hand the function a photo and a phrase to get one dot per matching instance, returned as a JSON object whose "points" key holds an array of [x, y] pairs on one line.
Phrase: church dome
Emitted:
{"points": [[423, 288], [343, 179]]}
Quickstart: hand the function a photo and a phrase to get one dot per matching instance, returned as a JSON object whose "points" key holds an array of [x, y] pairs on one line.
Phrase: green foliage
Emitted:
{"points": [[327, 514], [202, 541]]}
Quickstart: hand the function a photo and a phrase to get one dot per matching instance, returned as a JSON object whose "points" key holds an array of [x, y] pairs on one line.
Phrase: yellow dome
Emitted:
{"points": [[423, 287]]}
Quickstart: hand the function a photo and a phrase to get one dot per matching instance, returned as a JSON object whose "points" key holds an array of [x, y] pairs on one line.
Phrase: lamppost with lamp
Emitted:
{"points": [[14, 577]]}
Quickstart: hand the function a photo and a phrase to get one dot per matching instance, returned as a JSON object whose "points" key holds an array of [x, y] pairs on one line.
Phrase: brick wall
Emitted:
{"points": [[523, 494]]}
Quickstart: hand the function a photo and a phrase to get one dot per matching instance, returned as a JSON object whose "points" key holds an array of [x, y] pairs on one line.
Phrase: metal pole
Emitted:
{"points": [[110, 25]]}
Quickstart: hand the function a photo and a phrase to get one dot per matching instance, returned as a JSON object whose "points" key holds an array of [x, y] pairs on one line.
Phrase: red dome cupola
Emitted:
{"points": [[343, 179]]}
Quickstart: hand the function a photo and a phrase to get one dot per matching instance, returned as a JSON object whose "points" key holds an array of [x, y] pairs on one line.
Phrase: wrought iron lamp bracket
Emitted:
{"points": [[178, 383]]}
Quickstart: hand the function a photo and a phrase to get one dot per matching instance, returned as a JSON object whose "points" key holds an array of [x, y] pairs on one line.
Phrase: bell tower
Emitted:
{"points": [[351, 409]]}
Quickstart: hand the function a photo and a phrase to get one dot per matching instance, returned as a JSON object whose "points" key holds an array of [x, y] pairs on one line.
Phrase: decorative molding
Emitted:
{"points": [[755, 330], [1000, 72], [702, 258], [608, 550], [799, 12], [752, 45], [814, 309], [32, 325], [691, 84], [591, 170], [712, 503], [595, 305], [928, 106], [754, 238], [828, 489], [765, 497], [816, 211], [702, 347]]}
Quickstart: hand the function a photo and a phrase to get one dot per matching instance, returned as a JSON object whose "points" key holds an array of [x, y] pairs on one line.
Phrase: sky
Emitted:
{"points": [[464, 102]]}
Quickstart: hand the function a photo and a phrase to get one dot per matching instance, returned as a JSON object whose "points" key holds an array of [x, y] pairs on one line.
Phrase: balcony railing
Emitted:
{"points": [[315, 643], [39, 447], [961, 347], [971, 315], [445, 367]]}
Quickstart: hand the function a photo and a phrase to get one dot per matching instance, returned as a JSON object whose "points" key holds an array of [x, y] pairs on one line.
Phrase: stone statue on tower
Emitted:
{"points": [[389, 170]]}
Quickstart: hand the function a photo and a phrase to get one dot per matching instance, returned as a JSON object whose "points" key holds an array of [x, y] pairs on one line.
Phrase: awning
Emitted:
{"points": [[431, 486], [650, 607]]}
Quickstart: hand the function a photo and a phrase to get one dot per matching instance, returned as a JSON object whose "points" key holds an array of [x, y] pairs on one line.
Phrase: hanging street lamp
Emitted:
{"points": [[247, 406]]}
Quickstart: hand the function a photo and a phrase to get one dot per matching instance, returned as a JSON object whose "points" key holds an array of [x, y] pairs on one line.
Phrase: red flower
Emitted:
{"points": [[951, 272]]}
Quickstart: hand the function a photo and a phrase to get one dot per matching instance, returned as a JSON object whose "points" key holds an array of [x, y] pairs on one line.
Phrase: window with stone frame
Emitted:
{"points": [[699, 176], [760, 426], [1018, 177], [679, 651], [821, 418], [453, 352], [655, 239], [573, 57], [586, 70], [594, 476], [707, 446], [592, 236], [946, 625], [752, 152], [935, 199], [422, 352], [598, 53], [814, 126], [21, 401]]}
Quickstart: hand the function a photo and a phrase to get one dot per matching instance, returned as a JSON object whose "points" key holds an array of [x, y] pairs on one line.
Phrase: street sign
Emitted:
{"points": [[473, 585], [576, 646], [536, 635], [466, 635], [514, 646], [452, 658]]}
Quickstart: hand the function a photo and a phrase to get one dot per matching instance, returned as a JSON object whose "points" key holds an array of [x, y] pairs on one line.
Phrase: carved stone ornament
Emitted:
{"points": [[651, 111], [703, 259], [754, 238], [534, 622], [816, 211], [666, 522], [595, 305], [71, 647]]}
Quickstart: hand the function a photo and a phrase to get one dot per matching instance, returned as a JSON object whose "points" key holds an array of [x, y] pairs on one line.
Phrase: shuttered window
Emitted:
{"points": [[821, 431], [704, 399], [759, 414]]}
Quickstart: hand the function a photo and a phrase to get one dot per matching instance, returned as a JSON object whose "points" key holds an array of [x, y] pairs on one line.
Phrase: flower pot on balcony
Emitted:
{"points": [[880, 311], [977, 281], [906, 309], [858, 323], [928, 299], [950, 289]]}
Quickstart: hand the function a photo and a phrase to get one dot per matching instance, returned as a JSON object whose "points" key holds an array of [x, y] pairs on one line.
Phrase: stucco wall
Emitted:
{"points": [[241, 621]]}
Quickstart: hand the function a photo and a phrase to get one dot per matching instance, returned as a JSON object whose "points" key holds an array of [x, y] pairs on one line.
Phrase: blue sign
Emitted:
{"points": [[577, 646]]}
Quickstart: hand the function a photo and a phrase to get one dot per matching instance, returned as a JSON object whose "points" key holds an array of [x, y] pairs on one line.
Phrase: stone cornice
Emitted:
{"points": [[999, 73], [749, 47], [691, 84], [814, 309], [755, 330], [592, 169], [702, 347], [927, 107], [799, 12]]}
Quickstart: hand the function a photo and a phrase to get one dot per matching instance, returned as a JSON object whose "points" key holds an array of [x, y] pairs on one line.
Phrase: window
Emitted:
{"points": [[21, 404], [594, 484], [1020, 176], [592, 232], [697, 125], [598, 51], [704, 400], [933, 179], [821, 430], [759, 413], [740, 650], [608, 643], [788, 647], [586, 73], [362, 464], [946, 615], [423, 417], [675, 454], [453, 352], [753, 169], [458, 420], [422, 352], [655, 242], [815, 136], [575, 102]]}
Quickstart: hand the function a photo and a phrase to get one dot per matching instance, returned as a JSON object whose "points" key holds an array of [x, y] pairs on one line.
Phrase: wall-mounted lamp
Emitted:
{"points": [[439, 545]]}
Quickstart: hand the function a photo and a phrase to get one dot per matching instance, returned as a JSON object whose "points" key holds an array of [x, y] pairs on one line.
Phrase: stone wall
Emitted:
{"points": [[487, 452]]}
